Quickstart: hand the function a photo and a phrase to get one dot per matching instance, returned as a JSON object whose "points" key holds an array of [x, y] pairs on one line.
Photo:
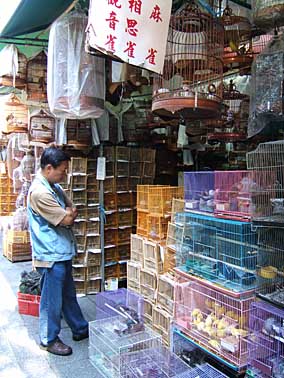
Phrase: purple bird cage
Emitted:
{"points": [[266, 346], [199, 191], [120, 302]]}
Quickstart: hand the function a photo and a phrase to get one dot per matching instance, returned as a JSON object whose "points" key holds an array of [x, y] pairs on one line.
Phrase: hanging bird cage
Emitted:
{"points": [[191, 84], [79, 132], [19, 81], [37, 78], [75, 79], [14, 114], [238, 41], [42, 127], [268, 14]]}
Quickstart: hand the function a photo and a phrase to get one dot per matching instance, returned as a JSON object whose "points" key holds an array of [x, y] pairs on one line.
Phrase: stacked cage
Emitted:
{"points": [[214, 320], [221, 251], [266, 351]]}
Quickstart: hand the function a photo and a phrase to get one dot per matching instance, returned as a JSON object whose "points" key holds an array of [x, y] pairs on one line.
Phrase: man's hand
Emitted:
{"points": [[71, 214]]}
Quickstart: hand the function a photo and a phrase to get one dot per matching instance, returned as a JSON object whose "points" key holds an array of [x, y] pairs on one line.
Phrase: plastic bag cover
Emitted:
{"points": [[75, 79]]}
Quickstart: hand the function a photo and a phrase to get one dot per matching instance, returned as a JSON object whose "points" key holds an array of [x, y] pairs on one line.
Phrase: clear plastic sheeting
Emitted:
{"points": [[75, 79], [268, 14], [267, 89]]}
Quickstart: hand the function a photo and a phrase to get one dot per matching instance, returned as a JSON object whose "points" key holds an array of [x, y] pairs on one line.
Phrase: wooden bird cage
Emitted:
{"points": [[42, 127], [20, 78], [191, 84], [79, 132], [37, 78], [238, 41], [14, 114]]}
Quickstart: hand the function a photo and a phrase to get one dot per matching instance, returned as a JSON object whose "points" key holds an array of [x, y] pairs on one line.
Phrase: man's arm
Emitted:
{"points": [[71, 214]]}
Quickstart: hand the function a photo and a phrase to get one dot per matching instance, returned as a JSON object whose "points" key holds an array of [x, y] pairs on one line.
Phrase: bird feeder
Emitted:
{"points": [[75, 79], [37, 78], [238, 41], [42, 127], [191, 84]]}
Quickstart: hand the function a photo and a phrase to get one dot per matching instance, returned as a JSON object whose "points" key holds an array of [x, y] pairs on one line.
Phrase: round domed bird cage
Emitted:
{"points": [[37, 78], [75, 79], [14, 114], [268, 14], [191, 84], [238, 41]]}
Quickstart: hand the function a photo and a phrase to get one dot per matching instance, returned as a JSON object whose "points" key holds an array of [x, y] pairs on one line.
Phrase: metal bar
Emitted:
{"points": [[102, 225]]}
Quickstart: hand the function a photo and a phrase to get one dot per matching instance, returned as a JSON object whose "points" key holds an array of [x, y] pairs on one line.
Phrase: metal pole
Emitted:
{"points": [[102, 225]]}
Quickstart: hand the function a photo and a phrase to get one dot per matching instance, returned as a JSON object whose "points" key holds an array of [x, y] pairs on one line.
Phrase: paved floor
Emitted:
{"points": [[20, 356]]}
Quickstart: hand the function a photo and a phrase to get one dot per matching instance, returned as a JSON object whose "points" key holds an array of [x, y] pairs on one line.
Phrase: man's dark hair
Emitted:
{"points": [[53, 156]]}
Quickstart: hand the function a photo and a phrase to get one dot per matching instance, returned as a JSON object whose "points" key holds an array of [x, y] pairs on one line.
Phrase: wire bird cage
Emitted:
{"points": [[238, 41], [221, 251], [267, 163], [191, 84], [233, 194], [37, 77], [19, 81], [270, 265], [199, 191], [112, 338], [154, 362], [215, 321], [268, 14], [14, 114], [121, 302], [266, 348]]}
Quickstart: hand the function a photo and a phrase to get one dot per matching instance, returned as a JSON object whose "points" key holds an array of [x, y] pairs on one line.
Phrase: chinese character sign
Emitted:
{"points": [[135, 31]]}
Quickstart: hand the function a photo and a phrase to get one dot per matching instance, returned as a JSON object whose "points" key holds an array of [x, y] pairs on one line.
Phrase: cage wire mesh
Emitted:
{"points": [[221, 251], [199, 191], [191, 84], [267, 164], [266, 348]]}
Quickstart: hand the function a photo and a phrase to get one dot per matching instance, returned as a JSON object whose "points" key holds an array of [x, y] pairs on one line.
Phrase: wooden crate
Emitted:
{"points": [[78, 182], [111, 253], [122, 184], [122, 169], [81, 242], [148, 284], [18, 236], [133, 275], [109, 185], [93, 227], [125, 217], [93, 243], [122, 269], [124, 233], [80, 259], [111, 236], [92, 197], [111, 218], [80, 286], [123, 251], [78, 165], [148, 311], [178, 205], [78, 197], [165, 292], [110, 201], [93, 286], [79, 227], [157, 227], [92, 167], [112, 271], [169, 260], [109, 153], [142, 223], [162, 321], [136, 248], [122, 153], [160, 199], [174, 236], [124, 200], [18, 252], [93, 271], [93, 258], [152, 256], [79, 272], [92, 183]]}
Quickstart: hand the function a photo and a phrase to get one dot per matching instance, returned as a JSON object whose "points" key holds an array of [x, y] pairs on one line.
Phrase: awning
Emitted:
{"points": [[33, 15]]}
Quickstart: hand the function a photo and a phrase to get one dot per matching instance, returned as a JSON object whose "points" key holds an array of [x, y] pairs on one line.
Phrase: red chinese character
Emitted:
{"points": [[130, 49], [156, 14], [114, 2], [152, 55], [131, 27], [110, 42], [112, 20], [135, 6]]}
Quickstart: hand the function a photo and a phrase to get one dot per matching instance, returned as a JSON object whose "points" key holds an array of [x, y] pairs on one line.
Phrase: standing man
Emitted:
{"points": [[51, 216]]}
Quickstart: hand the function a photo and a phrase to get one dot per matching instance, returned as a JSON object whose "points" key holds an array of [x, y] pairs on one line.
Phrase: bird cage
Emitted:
{"points": [[267, 163], [14, 79], [15, 151], [266, 103], [265, 349], [75, 79], [37, 78], [14, 114], [199, 191], [238, 40], [191, 84], [79, 132], [270, 263], [41, 127], [268, 14]]}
